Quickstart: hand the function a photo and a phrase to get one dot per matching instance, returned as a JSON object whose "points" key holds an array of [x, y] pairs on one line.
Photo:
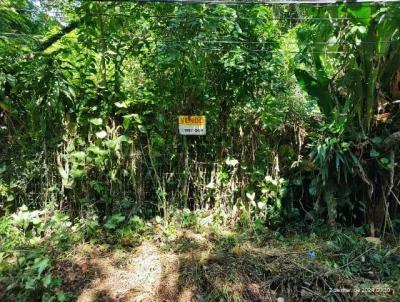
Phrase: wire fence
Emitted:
{"points": [[190, 183]]}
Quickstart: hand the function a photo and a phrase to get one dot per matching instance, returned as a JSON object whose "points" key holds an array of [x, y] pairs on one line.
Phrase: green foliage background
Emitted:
{"points": [[302, 108], [300, 105]]}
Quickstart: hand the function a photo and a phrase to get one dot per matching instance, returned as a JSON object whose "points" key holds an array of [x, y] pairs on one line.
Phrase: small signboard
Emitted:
{"points": [[192, 124]]}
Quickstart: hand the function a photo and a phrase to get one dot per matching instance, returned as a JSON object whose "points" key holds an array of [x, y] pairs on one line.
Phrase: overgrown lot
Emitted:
{"points": [[291, 193]]}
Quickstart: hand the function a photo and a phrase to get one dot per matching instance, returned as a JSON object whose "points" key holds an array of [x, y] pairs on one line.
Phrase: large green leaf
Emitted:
{"points": [[318, 89], [361, 14]]}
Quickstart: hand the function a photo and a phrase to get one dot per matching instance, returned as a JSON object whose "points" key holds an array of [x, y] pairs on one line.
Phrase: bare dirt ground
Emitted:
{"points": [[198, 267], [149, 272], [180, 270]]}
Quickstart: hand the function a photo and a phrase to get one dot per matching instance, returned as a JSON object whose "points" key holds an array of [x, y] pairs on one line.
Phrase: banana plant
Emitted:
{"points": [[365, 55]]}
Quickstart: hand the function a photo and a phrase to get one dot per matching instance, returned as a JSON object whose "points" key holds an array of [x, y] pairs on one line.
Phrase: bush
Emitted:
{"points": [[26, 238]]}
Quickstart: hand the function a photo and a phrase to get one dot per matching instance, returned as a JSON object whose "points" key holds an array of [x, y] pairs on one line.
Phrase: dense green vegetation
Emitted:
{"points": [[301, 152]]}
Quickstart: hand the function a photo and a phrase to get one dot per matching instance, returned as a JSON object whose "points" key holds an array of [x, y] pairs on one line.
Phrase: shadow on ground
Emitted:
{"points": [[198, 267]]}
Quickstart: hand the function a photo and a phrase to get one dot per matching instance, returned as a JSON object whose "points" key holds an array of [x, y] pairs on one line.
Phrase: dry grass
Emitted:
{"points": [[202, 267]]}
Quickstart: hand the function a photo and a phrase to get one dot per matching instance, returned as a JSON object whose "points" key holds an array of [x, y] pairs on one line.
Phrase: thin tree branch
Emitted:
{"points": [[56, 37]]}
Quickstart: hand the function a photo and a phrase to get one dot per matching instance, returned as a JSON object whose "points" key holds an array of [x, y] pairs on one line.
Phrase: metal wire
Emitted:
{"points": [[232, 42], [263, 2], [174, 16], [226, 42], [207, 41]]}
